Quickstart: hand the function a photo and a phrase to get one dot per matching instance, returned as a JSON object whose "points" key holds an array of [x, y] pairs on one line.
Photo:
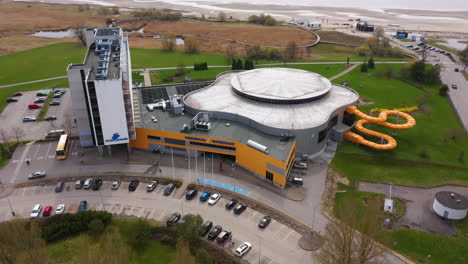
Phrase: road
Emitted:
{"points": [[275, 244]]}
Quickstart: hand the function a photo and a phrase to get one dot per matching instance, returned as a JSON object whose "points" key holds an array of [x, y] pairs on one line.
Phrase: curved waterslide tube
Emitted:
{"points": [[380, 120]]}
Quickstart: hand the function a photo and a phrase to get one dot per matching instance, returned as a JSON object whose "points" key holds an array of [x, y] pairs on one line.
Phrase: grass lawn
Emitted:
{"points": [[138, 77], [161, 76], [8, 92], [330, 52], [68, 250], [39, 63], [431, 153], [414, 244]]}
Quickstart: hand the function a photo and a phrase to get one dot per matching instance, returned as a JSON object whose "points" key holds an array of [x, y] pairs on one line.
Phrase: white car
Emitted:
{"points": [[37, 174], [243, 249], [300, 165], [151, 186], [214, 199], [36, 211], [88, 183], [115, 185], [60, 209]]}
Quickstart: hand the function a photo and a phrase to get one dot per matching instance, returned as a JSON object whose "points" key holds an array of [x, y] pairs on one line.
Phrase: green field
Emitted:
{"points": [[39, 63], [411, 243], [431, 153], [138, 77], [168, 76]]}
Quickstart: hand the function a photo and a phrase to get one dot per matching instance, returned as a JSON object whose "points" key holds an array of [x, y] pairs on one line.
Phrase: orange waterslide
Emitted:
{"points": [[380, 120]]}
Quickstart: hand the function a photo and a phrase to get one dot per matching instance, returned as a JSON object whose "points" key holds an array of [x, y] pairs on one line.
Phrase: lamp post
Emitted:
{"points": [[11, 207]]}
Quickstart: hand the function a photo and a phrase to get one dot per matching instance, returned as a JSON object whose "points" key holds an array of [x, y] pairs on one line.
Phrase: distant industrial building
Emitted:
{"points": [[364, 27], [450, 205], [101, 90]]}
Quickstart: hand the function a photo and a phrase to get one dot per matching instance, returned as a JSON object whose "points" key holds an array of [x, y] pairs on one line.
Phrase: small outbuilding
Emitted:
{"points": [[450, 205], [364, 27]]}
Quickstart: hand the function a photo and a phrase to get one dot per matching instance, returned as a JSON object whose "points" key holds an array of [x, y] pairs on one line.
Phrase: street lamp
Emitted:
{"points": [[11, 207]]}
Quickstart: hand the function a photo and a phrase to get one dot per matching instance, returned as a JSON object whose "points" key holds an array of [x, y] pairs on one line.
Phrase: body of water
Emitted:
{"points": [[69, 33]]}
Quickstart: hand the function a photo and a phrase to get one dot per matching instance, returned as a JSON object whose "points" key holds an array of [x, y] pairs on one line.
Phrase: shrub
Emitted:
{"points": [[96, 227], [371, 63], [191, 186], [364, 67], [200, 66], [202, 257], [443, 91], [139, 233]]}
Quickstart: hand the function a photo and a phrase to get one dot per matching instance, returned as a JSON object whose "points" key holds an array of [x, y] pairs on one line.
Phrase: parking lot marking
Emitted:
{"points": [[37, 149], [51, 156], [74, 153], [224, 186], [39, 158], [290, 232], [47, 153], [14, 161]]}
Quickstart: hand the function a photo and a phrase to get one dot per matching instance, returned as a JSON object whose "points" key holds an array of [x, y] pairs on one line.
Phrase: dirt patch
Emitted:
{"points": [[15, 43], [335, 36]]}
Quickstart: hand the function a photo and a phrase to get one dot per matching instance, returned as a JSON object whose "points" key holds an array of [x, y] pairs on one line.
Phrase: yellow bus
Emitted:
{"points": [[62, 147]]}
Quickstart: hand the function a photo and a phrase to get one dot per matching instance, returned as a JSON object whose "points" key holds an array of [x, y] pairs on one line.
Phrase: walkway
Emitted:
{"points": [[35, 81], [354, 66], [147, 78]]}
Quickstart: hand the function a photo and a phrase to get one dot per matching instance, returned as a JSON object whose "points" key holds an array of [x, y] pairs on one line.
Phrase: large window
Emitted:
{"points": [[175, 141], [323, 134], [154, 138], [211, 145], [269, 176]]}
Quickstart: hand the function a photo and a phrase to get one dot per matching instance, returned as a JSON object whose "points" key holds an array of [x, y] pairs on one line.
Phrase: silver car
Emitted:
{"points": [[36, 174]]}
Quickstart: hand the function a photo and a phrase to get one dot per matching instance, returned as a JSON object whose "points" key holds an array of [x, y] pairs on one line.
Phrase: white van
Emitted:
{"points": [[55, 133]]}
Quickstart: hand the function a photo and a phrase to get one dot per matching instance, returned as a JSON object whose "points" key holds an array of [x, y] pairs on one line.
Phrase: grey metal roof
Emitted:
{"points": [[452, 200], [107, 31]]}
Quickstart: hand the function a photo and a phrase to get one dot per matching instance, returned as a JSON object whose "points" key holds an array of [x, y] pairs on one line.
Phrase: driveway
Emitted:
{"points": [[418, 201]]}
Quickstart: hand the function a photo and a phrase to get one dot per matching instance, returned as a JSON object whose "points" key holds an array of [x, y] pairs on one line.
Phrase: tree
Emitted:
{"points": [[183, 255], [139, 232], [115, 10], [191, 46], [96, 227], [103, 11], [191, 228], [364, 67], [379, 35], [345, 244], [432, 75], [169, 43], [68, 123], [202, 257], [248, 65], [79, 32], [229, 53], [3, 136], [253, 52], [443, 91], [270, 21], [291, 50], [18, 132], [371, 63], [417, 71], [221, 16]]}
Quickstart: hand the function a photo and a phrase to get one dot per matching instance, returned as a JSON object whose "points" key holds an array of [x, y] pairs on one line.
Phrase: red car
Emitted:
{"points": [[34, 106], [17, 94], [47, 211]]}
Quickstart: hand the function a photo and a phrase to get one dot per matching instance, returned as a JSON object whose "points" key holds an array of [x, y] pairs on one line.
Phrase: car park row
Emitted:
{"points": [[42, 97]]}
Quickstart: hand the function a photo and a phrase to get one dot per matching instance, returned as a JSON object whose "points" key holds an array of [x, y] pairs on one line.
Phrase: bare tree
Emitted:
{"points": [[351, 240], [80, 33], [229, 53], [169, 43], [291, 50], [379, 35], [221, 16], [18, 132], [191, 45], [3, 136], [68, 123]]}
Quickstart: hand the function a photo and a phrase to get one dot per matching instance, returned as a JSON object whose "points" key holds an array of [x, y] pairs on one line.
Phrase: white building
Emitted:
{"points": [[450, 205], [101, 90]]}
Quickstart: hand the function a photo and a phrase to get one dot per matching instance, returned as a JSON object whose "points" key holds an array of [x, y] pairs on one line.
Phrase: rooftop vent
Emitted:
{"points": [[452, 195], [257, 146], [458, 201]]}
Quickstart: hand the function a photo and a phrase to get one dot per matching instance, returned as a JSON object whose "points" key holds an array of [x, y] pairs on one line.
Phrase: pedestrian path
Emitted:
{"points": [[226, 186]]}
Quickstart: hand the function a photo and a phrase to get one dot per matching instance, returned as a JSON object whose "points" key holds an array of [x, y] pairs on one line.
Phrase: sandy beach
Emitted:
{"points": [[331, 17]]}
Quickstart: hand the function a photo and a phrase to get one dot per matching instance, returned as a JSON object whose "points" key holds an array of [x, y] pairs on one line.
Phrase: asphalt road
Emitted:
{"points": [[275, 244]]}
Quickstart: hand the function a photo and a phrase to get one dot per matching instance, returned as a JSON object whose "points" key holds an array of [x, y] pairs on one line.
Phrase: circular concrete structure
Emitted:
{"points": [[450, 205], [281, 85]]}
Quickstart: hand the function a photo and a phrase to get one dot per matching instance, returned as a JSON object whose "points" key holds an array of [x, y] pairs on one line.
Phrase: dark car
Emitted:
{"points": [[54, 103], [133, 185], [231, 203], [264, 222], [57, 95], [79, 184], [11, 100], [240, 208], [169, 188], [17, 94], [215, 232], [454, 86], [191, 194], [59, 186], [82, 206], [39, 100], [205, 195], [41, 94], [173, 219], [50, 118], [206, 227], [97, 184]]}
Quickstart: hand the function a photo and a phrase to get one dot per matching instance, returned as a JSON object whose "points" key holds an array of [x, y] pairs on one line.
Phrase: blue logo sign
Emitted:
{"points": [[116, 137]]}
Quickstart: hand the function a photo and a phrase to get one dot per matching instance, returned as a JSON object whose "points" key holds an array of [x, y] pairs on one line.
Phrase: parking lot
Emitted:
{"points": [[277, 243], [12, 117]]}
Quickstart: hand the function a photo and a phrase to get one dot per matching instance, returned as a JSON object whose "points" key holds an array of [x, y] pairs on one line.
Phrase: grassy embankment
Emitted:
{"points": [[429, 154]]}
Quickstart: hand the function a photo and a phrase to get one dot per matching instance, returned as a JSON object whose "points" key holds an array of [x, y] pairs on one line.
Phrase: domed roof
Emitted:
{"points": [[281, 85], [452, 200]]}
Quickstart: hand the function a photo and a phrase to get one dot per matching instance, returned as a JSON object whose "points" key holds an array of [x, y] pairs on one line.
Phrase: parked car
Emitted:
{"points": [[88, 184], [231, 203], [115, 185], [133, 185], [36, 211], [47, 211], [240, 208], [173, 219], [243, 249], [34, 106], [297, 180], [37, 174], [214, 232], [60, 209], [50, 118], [454, 86], [57, 95], [41, 94], [205, 195], [39, 100], [191, 194], [214, 199], [206, 227], [29, 119], [79, 184], [223, 237], [17, 94], [82, 206], [151, 186], [97, 184], [54, 103], [11, 100], [300, 165], [59, 186], [264, 222], [169, 188]]}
